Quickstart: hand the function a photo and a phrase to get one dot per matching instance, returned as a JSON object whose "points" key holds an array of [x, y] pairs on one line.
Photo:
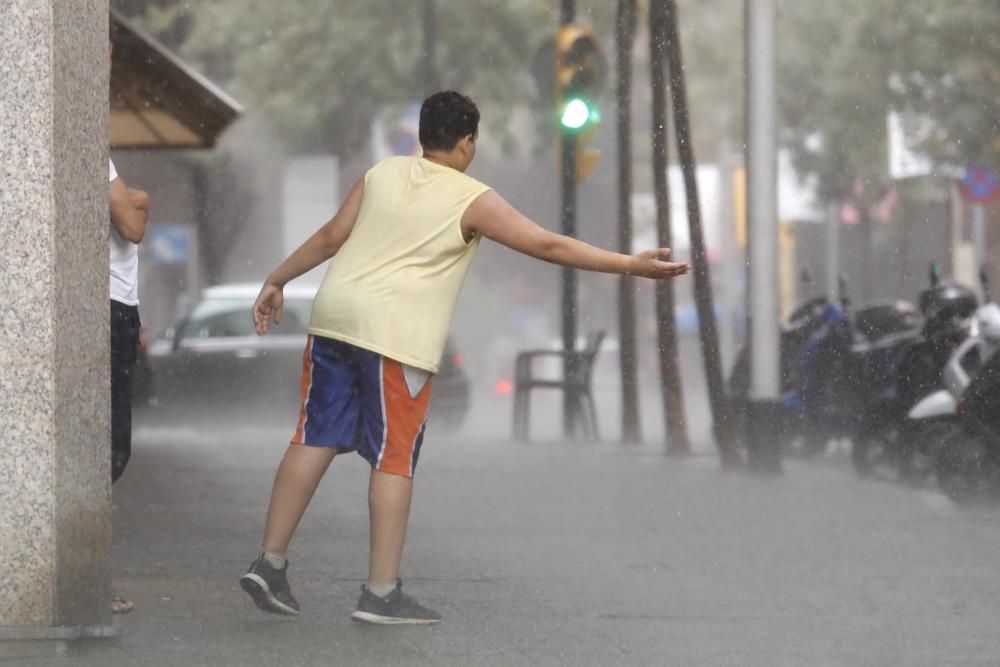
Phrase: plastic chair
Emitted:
{"points": [[576, 380]]}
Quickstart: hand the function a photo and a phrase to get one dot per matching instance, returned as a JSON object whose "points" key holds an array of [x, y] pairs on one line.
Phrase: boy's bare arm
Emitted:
{"points": [[491, 216], [324, 244], [128, 217], [318, 248]]}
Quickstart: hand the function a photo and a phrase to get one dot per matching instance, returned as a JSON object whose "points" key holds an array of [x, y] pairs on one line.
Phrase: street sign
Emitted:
{"points": [[979, 184], [906, 131], [395, 131], [168, 244]]}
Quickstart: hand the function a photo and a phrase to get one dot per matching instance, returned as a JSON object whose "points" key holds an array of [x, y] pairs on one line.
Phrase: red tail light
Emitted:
{"points": [[456, 360], [504, 387]]}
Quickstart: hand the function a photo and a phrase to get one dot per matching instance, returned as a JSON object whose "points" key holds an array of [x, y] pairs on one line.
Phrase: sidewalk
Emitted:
{"points": [[554, 554]]}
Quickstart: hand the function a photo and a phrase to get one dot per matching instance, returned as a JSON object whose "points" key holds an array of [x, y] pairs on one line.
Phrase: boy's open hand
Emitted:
{"points": [[650, 264], [268, 304]]}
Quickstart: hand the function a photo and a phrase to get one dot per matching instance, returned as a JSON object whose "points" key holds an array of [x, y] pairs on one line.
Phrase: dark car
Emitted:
{"points": [[213, 361]]}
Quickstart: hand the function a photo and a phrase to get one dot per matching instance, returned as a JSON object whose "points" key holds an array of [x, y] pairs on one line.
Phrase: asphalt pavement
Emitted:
{"points": [[552, 553]]}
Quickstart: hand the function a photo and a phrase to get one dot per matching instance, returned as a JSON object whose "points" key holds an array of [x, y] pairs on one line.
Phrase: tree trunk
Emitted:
{"points": [[624, 36], [721, 418], [670, 379]]}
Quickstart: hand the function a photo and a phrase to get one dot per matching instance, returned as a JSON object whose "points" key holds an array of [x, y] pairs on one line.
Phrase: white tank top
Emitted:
{"points": [[124, 263]]}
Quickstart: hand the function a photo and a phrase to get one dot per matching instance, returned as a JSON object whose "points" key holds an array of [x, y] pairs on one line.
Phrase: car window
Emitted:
{"points": [[218, 318], [218, 325]]}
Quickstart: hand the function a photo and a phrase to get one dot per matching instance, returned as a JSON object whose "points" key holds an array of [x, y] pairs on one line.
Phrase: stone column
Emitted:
{"points": [[55, 494]]}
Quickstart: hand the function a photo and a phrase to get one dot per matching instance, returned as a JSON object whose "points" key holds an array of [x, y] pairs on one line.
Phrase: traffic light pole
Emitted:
{"points": [[568, 227], [568, 11]]}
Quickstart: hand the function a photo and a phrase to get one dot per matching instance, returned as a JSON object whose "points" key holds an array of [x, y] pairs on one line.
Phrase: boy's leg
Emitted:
{"points": [[295, 482], [382, 600], [327, 417], [327, 420], [389, 511], [299, 474], [395, 410]]}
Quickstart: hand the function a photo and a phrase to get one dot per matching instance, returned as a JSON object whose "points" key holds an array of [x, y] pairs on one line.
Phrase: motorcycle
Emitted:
{"points": [[881, 442], [968, 461], [953, 432], [830, 368]]}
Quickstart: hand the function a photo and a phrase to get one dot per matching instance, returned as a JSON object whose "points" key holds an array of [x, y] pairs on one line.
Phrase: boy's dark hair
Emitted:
{"points": [[445, 118]]}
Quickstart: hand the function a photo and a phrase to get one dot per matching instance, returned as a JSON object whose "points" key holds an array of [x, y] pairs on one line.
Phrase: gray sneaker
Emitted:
{"points": [[397, 608], [268, 586]]}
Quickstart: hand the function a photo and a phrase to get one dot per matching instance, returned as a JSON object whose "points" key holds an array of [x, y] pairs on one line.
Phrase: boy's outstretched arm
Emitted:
{"points": [[318, 248], [491, 216]]}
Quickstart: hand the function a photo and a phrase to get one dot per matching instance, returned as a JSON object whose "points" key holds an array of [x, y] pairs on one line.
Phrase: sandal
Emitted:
{"points": [[120, 605]]}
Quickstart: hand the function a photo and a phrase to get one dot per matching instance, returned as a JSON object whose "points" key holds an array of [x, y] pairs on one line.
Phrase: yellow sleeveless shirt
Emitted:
{"points": [[393, 285]]}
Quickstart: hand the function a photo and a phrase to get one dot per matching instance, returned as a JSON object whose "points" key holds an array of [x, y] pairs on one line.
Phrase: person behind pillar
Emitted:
{"points": [[128, 226], [129, 209]]}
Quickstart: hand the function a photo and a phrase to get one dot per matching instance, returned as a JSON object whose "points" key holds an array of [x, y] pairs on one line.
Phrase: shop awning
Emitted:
{"points": [[157, 100]]}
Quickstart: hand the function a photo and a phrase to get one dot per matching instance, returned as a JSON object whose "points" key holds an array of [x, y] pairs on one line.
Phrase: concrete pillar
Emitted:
{"points": [[55, 494]]}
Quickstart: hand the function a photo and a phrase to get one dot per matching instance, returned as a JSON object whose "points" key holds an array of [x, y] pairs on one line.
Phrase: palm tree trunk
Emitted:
{"points": [[624, 36], [722, 423], [670, 379]]}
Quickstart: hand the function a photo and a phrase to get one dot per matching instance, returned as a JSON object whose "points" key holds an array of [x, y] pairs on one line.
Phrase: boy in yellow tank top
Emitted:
{"points": [[403, 240]]}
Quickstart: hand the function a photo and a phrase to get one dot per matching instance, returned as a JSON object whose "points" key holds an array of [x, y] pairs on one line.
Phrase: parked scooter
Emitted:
{"points": [[951, 430], [967, 462], [830, 369], [946, 307], [931, 421], [916, 369]]}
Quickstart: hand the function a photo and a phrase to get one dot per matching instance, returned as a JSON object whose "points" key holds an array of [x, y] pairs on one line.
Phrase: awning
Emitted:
{"points": [[158, 101]]}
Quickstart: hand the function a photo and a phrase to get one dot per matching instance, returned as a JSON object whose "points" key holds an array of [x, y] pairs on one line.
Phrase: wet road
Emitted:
{"points": [[554, 554]]}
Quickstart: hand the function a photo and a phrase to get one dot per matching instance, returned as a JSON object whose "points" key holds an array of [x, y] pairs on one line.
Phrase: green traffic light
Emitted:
{"points": [[576, 114]]}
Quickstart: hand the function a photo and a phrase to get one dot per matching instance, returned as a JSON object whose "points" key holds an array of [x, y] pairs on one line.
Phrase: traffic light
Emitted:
{"points": [[580, 70]]}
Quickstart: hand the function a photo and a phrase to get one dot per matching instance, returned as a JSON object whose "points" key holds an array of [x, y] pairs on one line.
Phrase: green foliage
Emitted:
{"points": [[320, 69], [711, 34], [841, 67], [844, 65]]}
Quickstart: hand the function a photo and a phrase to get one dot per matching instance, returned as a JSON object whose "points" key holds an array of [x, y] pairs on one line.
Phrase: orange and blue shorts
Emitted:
{"points": [[357, 400]]}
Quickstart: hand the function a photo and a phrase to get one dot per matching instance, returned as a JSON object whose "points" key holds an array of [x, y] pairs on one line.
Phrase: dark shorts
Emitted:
{"points": [[124, 345], [357, 400]]}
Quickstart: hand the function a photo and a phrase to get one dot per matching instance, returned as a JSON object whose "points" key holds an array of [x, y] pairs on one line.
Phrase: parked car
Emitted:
{"points": [[213, 361]]}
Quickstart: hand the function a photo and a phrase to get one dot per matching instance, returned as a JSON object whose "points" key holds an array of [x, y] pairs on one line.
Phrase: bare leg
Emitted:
{"points": [[389, 510], [294, 485]]}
